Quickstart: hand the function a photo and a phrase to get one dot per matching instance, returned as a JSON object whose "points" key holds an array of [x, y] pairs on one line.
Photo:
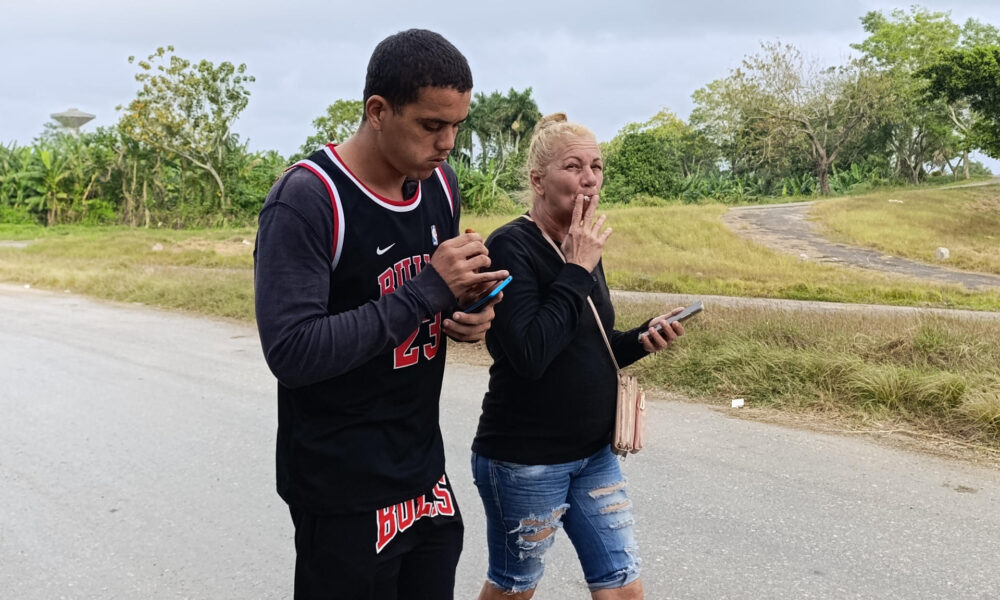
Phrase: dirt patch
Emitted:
{"points": [[233, 247], [987, 204]]}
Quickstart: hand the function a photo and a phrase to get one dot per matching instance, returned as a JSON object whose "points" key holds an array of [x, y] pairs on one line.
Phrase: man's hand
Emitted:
{"points": [[459, 261], [471, 327]]}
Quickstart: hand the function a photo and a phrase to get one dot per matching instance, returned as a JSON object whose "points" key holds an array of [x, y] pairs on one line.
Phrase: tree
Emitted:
{"points": [[187, 109], [900, 45], [338, 123], [973, 76], [783, 103], [49, 171], [653, 157], [497, 128]]}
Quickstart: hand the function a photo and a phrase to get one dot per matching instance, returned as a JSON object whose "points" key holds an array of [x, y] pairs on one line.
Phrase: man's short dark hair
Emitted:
{"points": [[409, 60]]}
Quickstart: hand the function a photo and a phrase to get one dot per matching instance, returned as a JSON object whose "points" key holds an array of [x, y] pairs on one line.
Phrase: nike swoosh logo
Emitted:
{"points": [[381, 251]]}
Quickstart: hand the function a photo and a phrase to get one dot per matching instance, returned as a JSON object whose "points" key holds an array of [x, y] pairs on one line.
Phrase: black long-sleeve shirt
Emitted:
{"points": [[553, 385]]}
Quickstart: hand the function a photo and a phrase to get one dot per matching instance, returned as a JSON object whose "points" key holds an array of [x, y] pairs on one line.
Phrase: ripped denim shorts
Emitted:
{"points": [[527, 504]]}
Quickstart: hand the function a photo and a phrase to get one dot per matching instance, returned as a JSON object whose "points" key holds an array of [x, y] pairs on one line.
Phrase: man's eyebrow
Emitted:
{"points": [[441, 121]]}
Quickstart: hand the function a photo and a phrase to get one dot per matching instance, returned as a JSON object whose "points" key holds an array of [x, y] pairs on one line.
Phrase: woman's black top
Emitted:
{"points": [[552, 387]]}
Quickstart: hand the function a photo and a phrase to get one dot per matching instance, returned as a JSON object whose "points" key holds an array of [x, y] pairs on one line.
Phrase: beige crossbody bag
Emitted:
{"points": [[630, 415]]}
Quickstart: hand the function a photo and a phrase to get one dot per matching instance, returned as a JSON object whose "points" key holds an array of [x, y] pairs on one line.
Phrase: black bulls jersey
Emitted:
{"points": [[369, 437]]}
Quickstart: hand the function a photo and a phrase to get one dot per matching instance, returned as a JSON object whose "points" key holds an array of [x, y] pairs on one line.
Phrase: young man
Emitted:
{"points": [[359, 269]]}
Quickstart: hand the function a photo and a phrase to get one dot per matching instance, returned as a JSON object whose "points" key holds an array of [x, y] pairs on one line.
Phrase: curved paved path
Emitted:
{"points": [[786, 228]]}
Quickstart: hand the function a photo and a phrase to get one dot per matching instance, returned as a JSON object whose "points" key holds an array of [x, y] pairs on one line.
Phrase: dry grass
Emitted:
{"points": [[209, 272], [964, 220], [935, 374], [687, 249]]}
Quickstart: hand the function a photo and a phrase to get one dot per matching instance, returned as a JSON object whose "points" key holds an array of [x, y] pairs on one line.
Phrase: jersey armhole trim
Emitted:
{"points": [[337, 244]]}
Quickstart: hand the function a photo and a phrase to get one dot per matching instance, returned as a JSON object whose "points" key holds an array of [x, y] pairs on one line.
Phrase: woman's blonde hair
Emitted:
{"points": [[550, 134]]}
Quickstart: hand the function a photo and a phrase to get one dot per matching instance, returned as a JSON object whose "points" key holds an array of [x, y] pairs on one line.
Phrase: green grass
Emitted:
{"points": [[686, 248], [965, 220], [209, 271], [936, 374], [940, 375]]}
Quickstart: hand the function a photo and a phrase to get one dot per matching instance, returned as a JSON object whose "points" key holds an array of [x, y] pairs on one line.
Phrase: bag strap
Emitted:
{"points": [[597, 317]]}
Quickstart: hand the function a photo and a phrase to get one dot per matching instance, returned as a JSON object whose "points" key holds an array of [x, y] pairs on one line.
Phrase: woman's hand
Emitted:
{"points": [[584, 242], [655, 340]]}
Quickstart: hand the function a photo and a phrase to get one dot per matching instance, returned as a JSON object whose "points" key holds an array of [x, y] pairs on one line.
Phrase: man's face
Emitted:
{"points": [[416, 138]]}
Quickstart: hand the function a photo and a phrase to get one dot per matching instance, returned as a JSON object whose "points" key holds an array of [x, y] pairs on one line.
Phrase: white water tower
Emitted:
{"points": [[72, 119]]}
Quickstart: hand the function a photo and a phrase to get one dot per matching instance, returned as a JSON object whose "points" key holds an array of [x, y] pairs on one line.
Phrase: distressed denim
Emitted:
{"points": [[527, 504]]}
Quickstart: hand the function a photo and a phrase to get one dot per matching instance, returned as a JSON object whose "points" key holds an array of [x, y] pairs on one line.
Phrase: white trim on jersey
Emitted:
{"points": [[375, 198], [447, 189], [338, 211]]}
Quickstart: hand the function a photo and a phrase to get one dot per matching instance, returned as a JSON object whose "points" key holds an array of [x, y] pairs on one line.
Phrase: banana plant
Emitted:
{"points": [[48, 175]]}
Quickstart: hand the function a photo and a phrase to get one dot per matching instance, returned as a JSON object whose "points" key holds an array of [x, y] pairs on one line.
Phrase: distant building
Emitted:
{"points": [[72, 119]]}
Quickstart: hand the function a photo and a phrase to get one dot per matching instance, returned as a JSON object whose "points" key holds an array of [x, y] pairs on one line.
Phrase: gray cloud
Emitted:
{"points": [[604, 63]]}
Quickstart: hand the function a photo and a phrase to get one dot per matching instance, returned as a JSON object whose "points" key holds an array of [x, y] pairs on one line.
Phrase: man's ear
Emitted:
{"points": [[376, 108]]}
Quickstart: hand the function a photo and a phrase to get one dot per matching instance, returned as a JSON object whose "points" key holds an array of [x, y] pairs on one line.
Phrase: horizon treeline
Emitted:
{"points": [[919, 96]]}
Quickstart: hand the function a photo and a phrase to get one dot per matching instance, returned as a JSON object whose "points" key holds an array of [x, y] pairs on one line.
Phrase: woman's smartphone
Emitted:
{"points": [[686, 313], [479, 304]]}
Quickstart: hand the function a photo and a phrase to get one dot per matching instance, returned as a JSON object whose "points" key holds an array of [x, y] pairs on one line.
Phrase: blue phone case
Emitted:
{"points": [[482, 301]]}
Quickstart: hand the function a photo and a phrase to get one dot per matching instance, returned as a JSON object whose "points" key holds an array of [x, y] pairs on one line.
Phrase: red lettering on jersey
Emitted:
{"points": [[404, 356], [386, 284], [394, 520], [402, 268], [444, 503], [387, 528], [425, 508], [431, 349], [407, 515]]}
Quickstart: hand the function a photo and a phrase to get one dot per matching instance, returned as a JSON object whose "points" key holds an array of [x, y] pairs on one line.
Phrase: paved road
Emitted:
{"points": [[136, 462], [786, 228]]}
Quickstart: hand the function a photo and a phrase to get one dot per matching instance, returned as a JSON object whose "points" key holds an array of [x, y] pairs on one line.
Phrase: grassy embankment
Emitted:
{"points": [[686, 249], [929, 374], [966, 221], [933, 374]]}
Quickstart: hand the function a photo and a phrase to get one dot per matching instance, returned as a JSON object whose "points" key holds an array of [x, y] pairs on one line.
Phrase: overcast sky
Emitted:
{"points": [[604, 63]]}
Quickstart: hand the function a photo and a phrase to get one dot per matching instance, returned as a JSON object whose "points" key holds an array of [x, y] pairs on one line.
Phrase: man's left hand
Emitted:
{"points": [[471, 327]]}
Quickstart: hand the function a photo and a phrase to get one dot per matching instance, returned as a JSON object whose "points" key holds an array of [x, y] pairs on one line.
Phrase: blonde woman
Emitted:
{"points": [[541, 457]]}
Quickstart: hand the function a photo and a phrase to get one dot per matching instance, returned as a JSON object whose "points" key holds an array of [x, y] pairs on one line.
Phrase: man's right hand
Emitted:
{"points": [[459, 261]]}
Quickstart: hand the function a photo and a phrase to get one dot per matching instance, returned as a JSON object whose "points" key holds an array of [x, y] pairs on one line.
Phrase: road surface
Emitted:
{"points": [[136, 461]]}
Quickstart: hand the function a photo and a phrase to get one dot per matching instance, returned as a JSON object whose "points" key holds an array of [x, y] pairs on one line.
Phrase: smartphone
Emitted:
{"points": [[479, 304], [686, 313]]}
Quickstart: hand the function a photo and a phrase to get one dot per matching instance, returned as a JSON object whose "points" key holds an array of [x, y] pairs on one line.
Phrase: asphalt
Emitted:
{"points": [[136, 461]]}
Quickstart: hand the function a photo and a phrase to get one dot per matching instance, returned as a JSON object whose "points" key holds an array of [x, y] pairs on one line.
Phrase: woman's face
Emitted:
{"points": [[576, 168]]}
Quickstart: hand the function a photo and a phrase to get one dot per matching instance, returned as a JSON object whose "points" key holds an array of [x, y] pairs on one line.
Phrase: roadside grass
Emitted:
{"points": [[687, 249], [964, 220], [204, 271], [937, 375]]}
